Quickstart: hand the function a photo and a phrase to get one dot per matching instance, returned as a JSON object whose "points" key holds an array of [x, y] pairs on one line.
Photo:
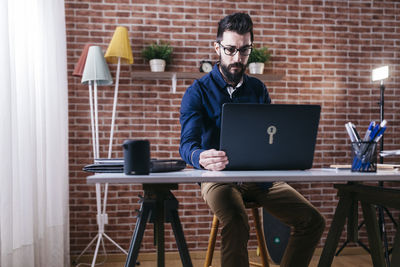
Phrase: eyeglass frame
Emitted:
{"points": [[236, 49]]}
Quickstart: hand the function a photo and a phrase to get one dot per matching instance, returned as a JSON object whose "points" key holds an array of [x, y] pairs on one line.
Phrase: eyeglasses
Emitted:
{"points": [[232, 50]]}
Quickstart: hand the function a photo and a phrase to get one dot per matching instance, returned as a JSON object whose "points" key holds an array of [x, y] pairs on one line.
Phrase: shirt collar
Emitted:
{"points": [[238, 85]]}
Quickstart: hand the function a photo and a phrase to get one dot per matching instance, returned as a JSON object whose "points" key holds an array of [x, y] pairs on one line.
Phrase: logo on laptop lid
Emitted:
{"points": [[271, 131]]}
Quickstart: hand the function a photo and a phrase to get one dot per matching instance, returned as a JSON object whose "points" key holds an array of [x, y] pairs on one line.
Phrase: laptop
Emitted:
{"points": [[269, 136]]}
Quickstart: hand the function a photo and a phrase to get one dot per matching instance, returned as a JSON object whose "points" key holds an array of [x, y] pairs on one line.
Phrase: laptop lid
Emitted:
{"points": [[269, 136]]}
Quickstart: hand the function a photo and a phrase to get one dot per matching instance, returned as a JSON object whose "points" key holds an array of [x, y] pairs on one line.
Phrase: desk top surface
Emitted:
{"points": [[196, 176]]}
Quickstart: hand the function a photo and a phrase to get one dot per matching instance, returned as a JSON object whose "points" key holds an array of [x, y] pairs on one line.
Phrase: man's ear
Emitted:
{"points": [[217, 48]]}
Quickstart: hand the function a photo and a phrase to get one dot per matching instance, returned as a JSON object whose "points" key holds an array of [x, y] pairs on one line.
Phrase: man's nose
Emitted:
{"points": [[237, 57]]}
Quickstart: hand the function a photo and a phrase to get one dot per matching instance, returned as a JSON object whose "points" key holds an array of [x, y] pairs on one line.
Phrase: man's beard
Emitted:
{"points": [[233, 78]]}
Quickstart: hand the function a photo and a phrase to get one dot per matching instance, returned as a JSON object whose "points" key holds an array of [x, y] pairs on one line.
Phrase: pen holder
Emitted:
{"points": [[364, 156]]}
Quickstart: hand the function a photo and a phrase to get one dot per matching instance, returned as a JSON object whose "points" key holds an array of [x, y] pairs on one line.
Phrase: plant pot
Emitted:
{"points": [[256, 68], [157, 65]]}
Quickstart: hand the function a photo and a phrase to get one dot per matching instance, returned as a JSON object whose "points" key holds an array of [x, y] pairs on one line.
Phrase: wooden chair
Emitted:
{"points": [[260, 237]]}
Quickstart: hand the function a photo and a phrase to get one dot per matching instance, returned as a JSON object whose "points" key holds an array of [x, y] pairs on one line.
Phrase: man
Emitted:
{"points": [[200, 122]]}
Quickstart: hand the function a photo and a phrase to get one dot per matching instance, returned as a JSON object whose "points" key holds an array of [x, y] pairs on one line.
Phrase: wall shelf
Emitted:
{"points": [[148, 75]]}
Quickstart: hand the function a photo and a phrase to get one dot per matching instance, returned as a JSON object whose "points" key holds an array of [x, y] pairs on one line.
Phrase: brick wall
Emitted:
{"points": [[325, 50]]}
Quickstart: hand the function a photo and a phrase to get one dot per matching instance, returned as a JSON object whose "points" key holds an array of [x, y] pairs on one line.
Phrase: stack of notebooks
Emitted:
{"points": [[380, 166], [386, 153], [117, 165]]}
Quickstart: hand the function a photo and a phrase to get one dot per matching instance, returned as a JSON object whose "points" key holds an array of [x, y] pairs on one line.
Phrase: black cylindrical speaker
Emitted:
{"points": [[136, 157]]}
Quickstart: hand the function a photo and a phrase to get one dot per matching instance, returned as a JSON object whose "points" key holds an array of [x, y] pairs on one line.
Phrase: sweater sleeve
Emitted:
{"points": [[191, 120]]}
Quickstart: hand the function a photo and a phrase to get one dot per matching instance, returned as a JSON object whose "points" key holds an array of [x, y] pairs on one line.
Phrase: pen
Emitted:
{"points": [[368, 132], [353, 127], [373, 132], [350, 132], [380, 134]]}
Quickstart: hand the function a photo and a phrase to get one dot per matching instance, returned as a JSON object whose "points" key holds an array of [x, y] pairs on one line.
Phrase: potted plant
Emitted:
{"points": [[158, 55], [257, 59]]}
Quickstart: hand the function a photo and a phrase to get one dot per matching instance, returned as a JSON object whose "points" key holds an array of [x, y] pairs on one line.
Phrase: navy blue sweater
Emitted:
{"points": [[200, 114]]}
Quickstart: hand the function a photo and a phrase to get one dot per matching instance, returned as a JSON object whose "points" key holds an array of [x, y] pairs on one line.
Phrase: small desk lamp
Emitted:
{"points": [[379, 74], [96, 71], [118, 50]]}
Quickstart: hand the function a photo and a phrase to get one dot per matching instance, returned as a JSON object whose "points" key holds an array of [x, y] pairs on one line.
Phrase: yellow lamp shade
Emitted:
{"points": [[119, 47]]}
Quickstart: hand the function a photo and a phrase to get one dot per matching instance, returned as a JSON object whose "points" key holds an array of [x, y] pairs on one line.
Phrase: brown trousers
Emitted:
{"points": [[282, 201]]}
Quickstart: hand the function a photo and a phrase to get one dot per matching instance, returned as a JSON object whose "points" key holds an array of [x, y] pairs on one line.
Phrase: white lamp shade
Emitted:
{"points": [[96, 68]]}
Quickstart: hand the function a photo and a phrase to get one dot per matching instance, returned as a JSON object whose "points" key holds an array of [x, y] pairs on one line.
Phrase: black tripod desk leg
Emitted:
{"points": [[159, 214], [374, 239], [383, 233], [353, 228], [178, 232], [337, 225], [396, 248], [159, 205], [143, 218]]}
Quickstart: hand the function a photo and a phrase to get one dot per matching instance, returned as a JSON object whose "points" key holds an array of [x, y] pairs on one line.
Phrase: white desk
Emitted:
{"points": [[198, 176], [349, 195]]}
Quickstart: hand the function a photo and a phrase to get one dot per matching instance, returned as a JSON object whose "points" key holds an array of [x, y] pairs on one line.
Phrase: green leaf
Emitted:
{"points": [[158, 51], [261, 55]]}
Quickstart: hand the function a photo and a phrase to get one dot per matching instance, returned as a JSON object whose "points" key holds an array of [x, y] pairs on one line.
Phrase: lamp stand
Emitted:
{"points": [[381, 209], [381, 115], [96, 121], [92, 120], [114, 108], [102, 217]]}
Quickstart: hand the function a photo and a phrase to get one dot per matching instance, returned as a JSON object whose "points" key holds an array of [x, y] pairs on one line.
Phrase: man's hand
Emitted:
{"points": [[213, 160]]}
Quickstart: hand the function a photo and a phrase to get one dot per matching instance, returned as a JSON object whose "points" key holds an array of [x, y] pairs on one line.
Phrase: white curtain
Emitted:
{"points": [[34, 217]]}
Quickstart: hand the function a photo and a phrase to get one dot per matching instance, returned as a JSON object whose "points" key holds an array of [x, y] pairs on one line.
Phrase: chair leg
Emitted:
{"points": [[211, 242], [260, 239]]}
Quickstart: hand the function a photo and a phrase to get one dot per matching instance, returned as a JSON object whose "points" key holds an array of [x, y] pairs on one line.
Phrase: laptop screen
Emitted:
{"points": [[269, 136]]}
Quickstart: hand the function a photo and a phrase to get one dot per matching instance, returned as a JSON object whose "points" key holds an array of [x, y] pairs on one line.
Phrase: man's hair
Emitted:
{"points": [[240, 23]]}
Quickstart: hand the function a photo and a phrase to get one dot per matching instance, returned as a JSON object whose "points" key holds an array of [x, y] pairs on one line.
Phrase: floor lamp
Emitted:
{"points": [[380, 74], [96, 73], [119, 51]]}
